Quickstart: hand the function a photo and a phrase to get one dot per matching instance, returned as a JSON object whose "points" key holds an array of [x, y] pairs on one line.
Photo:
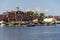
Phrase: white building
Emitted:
{"points": [[49, 20]]}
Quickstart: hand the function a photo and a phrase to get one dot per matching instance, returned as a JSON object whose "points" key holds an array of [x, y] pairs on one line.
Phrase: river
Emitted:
{"points": [[30, 33]]}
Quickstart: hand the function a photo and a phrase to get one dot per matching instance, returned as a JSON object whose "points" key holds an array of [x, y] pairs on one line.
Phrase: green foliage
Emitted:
{"points": [[42, 14], [36, 13], [58, 19], [7, 23], [30, 12]]}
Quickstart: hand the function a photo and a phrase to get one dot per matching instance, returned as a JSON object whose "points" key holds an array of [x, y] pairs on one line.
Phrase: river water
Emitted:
{"points": [[30, 33]]}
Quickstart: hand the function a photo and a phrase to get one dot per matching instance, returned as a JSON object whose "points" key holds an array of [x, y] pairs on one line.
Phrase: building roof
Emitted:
{"points": [[18, 16]]}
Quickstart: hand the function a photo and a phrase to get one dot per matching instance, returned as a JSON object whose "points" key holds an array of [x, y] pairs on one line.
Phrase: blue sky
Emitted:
{"points": [[53, 6]]}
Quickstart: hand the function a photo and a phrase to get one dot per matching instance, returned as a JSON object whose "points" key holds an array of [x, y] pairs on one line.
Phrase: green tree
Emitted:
{"points": [[30, 12], [42, 14], [36, 13]]}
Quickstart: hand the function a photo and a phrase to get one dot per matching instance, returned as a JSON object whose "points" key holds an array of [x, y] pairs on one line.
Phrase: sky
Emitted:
{"points": [[49, 7]]}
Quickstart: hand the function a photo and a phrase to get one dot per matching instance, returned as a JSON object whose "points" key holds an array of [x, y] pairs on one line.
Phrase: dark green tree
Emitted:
{"points": [[42, 14]]}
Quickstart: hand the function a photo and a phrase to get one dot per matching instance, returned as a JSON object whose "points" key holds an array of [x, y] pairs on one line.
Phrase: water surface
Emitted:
{"points": [[30, 33]]}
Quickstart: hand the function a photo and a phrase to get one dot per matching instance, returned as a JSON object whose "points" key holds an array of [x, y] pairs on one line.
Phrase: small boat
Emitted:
{"points": [[31, 25]]}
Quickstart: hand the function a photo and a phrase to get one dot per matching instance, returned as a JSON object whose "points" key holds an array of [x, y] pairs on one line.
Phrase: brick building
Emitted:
{"points": [[17, 16]]}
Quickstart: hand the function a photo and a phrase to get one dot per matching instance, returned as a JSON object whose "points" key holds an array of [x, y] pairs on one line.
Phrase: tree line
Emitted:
{"points": [[34, 13]]}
